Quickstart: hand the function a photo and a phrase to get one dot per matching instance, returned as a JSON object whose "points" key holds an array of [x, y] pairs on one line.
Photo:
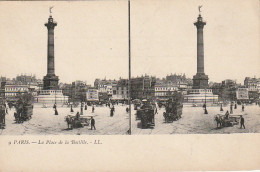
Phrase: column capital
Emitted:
{"points": [[51, 24], [200, 23]]}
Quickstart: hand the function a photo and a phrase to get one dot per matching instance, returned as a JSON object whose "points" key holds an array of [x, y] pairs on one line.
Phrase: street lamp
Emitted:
{"points": [[71, 110], [55, 106], [129, 68], [81, 106], [205, 109]]}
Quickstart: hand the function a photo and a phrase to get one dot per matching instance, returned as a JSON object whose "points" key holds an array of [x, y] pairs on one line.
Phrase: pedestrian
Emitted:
{"points": [[221, 108], [231, 109], [93, 108], [86, 107], [92, 123], [127, 109], [242, 122], [235, 106], [111, 112], [243, 107]]}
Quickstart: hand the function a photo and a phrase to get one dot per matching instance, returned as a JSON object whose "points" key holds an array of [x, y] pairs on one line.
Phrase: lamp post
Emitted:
{"points": [[55, 106], [81, 105], [71, 110], [205, 110], [129, 69]]}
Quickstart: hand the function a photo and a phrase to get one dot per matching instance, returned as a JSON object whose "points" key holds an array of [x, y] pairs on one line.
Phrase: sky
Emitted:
{"points": [[91, 38]]}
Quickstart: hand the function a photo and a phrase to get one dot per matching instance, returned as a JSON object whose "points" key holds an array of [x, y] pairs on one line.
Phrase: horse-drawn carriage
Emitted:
{"points": [[137, 104], [147, 118], [23, 113], [77, 121], [24, 107], [138, 113], [2, 116], [146, 114], [227, 120], [173, 108]]}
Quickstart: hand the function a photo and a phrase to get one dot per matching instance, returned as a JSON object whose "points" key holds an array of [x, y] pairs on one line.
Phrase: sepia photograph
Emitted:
{"points": [[129, 68], [131, 77]]}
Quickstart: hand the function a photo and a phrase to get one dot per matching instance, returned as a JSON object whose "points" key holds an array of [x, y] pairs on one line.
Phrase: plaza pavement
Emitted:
{"points": [[193, 121]]}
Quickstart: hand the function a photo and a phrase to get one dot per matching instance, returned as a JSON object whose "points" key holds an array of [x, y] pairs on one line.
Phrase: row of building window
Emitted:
{"points": [[118, 92], [15, 89], [160, 94], [10, 94], [165, 88], [201, 90]]}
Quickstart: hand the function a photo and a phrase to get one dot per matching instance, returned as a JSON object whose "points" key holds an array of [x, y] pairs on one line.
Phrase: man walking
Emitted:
{"points": [[243, 107], [242, 122], [92, 122], [93, 109]]}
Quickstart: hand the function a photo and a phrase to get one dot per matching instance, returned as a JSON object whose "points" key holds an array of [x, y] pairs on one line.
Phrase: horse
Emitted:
{"points": [[219, 121], [69, 122]]}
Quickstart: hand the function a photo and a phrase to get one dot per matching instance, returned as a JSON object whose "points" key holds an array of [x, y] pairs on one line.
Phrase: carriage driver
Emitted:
{"points": [[227, 115], [145, 104]]}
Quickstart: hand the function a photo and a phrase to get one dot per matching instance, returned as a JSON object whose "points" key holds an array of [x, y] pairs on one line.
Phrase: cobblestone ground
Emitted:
{"points": [[44, 122], [194, 121]]}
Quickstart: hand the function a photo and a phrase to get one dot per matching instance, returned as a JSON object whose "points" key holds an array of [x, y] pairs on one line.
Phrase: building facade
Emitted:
{"points": [[12, 90], [162, 90], [92, 95], [253, 84], [120, 90], [143, 87]]}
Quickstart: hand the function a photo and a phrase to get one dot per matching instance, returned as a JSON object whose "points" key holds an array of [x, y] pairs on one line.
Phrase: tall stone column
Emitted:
{"points": [[50, 26], [200, 80], [50, 81], [200, 45]]}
